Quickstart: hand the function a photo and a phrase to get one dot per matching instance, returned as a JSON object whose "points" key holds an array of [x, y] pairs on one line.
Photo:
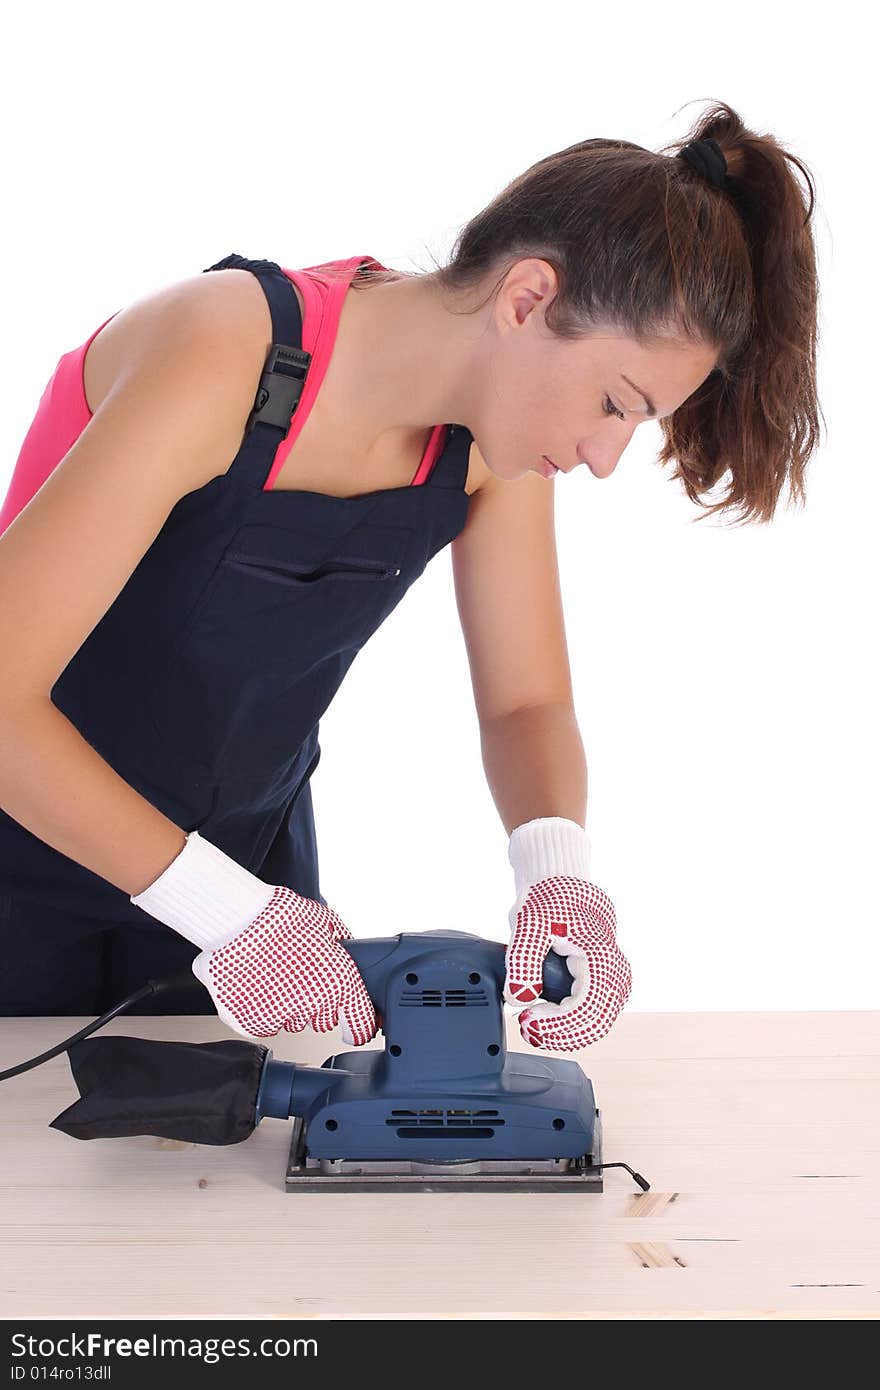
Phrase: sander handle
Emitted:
{"points": [[376, 956]]}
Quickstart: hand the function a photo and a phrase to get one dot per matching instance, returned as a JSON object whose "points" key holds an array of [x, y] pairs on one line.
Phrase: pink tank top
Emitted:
{"points": [[63, 412]]}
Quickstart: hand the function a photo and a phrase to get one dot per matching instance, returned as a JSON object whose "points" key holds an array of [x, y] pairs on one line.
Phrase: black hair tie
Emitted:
{"points": [[707, 158]]}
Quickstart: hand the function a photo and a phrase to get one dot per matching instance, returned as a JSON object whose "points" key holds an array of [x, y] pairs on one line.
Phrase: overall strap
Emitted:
{"points": [[451, 468], [281, 386], [284, 371]]}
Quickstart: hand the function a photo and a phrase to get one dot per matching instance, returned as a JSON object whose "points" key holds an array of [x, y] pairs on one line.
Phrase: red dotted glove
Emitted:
{"points": [[286, 970], [558, 908], [269, 957]]}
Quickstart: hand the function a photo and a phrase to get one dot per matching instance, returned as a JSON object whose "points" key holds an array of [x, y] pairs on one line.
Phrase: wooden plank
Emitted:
{"points": [[760, 1134]]}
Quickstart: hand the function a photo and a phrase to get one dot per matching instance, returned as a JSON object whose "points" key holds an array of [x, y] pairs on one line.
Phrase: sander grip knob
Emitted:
{"points": [[376, 957]]}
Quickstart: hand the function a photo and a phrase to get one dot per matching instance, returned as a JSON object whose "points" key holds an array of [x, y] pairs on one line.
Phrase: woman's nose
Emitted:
{"points": [[602, 458], [602, 468]]}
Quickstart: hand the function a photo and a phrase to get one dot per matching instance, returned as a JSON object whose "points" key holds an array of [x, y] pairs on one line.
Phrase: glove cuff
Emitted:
{"points": [[545, 847], [205, 895]]}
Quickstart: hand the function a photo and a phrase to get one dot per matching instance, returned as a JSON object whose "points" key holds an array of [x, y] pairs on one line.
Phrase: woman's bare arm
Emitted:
{"points": [[510, 606], [166, 427]]}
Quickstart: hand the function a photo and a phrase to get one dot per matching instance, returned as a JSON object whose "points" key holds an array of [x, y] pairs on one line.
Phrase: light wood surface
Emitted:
{"points": [[759, 1134]]}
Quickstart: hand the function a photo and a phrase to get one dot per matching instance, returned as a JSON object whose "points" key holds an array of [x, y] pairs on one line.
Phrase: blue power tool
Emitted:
{"points": [[444, 1104]]}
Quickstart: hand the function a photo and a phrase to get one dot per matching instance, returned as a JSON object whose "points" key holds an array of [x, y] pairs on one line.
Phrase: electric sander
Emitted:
{"points": [[442, 1106]]}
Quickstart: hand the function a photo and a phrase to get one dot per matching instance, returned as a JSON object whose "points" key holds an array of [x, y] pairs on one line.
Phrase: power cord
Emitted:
{"points": [[180, 980]]}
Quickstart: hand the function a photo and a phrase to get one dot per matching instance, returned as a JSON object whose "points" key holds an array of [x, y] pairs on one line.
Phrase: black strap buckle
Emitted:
{"points": [[280, 388]]}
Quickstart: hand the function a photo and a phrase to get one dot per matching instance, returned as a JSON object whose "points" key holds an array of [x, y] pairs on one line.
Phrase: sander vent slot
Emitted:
{"points": [[446, 1124], [444, 998], [451, 1132]]}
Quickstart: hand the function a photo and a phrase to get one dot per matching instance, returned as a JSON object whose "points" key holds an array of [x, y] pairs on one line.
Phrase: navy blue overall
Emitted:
{"points": [[204, 683]]}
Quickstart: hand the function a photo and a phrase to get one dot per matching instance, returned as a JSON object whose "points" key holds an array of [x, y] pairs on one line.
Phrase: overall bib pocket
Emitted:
{"points": [[271, 637], [295, 573]]}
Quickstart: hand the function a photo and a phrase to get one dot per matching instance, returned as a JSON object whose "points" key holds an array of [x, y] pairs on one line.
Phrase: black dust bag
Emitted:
{"points": [[204, 1093]]}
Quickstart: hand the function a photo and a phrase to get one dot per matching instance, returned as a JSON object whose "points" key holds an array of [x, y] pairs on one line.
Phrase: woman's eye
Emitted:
{"points": [[611, 409]]}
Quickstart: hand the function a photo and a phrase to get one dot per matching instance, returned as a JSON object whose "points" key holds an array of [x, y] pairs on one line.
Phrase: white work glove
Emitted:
{"points": [[558, 908], [270, 958]]}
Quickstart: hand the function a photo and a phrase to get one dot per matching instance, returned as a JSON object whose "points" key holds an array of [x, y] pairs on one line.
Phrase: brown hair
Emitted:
{"points": [[643, 243]]}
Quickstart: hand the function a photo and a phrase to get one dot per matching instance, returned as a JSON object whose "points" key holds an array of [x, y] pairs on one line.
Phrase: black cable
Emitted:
{"points": [[181, 979], [642, 1182]]}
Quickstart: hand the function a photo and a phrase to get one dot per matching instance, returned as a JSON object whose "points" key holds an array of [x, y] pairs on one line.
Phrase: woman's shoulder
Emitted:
{"points": [[230, 302], [227, 306]]}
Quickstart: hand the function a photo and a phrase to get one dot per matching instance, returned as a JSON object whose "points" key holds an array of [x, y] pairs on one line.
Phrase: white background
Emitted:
{"points": [[725, 680]]}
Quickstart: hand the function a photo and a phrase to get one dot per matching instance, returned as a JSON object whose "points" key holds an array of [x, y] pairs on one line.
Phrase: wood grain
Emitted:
{"points": [[759, 1134]]}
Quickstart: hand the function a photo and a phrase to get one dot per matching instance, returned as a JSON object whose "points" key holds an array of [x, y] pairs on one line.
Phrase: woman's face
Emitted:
{"points": [[574, 402]]}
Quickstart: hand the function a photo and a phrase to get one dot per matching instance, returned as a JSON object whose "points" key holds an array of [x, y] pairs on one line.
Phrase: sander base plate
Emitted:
{"points": [[305, 1174]]}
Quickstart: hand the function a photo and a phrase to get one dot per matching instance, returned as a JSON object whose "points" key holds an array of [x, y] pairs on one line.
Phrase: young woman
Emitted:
{"points": [[232, 483]]}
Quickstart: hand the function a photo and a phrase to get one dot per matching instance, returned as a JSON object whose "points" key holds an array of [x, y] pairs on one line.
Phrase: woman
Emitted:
{"points": [[233, 482]]}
